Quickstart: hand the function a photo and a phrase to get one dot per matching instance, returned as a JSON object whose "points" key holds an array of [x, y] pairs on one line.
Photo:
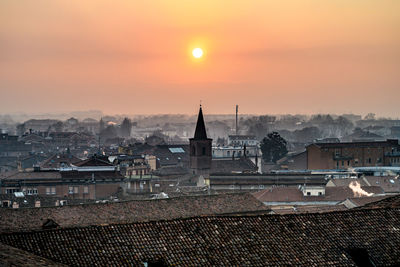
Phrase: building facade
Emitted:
{"points": [[352, 154]]}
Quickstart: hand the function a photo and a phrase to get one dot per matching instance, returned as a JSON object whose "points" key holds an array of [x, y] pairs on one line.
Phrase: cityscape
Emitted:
{"points": [[180, 133]]}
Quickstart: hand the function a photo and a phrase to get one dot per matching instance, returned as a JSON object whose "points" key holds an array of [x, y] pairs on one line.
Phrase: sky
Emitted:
{"points": [[134, 57]]}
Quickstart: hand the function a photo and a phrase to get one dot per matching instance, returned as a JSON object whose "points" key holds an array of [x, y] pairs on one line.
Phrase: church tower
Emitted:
{"points": [[200, 148]]}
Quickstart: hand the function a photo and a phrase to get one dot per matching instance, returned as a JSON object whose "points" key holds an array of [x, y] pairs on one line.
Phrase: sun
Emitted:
{"points": [[197, 52]]}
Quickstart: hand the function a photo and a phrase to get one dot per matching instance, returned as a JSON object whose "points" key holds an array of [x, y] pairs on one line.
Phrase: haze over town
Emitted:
{"points": [[124, 57]]}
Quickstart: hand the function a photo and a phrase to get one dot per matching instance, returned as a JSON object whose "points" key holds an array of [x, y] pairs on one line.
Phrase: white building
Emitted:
{"points": [[238, 146]]}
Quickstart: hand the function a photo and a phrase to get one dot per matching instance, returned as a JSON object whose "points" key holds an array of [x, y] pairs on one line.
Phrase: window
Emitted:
{"points": [[11, 190], [308, 193], [76, 190], [319, 193], [348, 163], [203, 151], [31, 191], [193, 150], [86, 189], [70, 190], [50, 190], [261, 186]]}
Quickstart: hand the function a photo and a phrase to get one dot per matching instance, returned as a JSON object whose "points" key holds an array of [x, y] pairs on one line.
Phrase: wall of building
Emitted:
{"points": [[346, 157]]}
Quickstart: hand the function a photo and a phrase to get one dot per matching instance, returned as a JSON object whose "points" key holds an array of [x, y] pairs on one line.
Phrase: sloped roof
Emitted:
{"points": [[389, 202], [129, 211], [344, 238], [10, 256], [231, 166], [93, 161], [362, 201], [310, 209], [42, 175], [347, 181], [389, 184], [165, 157], [293, 194], [55, 160], [387, 143]]}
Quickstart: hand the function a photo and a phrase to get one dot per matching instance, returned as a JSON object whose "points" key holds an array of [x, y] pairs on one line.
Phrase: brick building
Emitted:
{"points": [[89, 179], [351, 154], [78, 184]]}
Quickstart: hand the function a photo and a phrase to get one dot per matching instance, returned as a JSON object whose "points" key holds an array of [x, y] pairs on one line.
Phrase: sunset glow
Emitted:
{"points": [[256, 53]]}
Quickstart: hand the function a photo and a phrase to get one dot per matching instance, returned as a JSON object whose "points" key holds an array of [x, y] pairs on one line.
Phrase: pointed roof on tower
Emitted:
{"points": [[200, 132]]}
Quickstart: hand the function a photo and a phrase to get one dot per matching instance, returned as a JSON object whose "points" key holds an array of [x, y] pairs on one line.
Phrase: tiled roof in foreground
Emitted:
{"points": [[10, 256], [12, 220], [390, 202], [345, 238]]}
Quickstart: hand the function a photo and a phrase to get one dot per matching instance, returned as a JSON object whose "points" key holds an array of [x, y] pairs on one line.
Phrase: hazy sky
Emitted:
{"points": [[127, 56]]}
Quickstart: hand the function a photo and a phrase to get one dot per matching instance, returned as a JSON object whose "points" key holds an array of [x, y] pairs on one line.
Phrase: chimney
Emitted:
{"points": [[236, 126]]}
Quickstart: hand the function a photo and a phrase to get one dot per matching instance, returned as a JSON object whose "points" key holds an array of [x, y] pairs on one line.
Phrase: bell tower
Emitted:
{"points": [[200, 148]]}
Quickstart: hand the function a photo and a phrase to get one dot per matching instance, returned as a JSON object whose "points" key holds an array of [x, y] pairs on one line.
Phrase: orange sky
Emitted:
{"points": [[126, 56]]}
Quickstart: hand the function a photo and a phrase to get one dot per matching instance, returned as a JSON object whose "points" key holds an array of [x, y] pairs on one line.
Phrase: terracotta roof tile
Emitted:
{"points": [[128, 211], [345, 238]]}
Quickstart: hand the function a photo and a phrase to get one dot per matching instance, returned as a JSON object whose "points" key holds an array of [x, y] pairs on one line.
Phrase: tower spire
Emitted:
{"points": [[200, 133]]}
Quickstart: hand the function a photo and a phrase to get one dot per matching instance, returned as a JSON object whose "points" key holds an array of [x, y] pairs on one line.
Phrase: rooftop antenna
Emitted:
{"points": [[237, 110]]}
